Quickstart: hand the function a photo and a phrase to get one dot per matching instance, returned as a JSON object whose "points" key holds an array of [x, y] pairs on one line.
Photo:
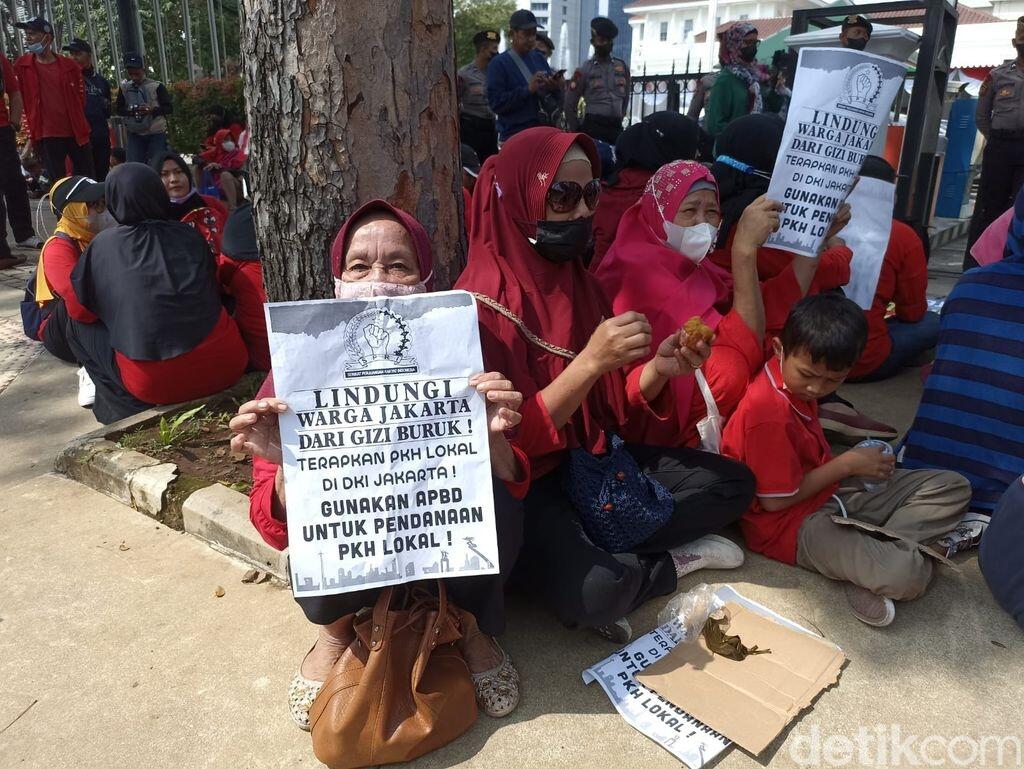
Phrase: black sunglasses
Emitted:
{"points": [[563, 197]]}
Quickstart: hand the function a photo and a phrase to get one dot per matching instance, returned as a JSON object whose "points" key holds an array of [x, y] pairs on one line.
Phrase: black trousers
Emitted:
{"points": [[54, 150], [100, 148], [480, 134], [483, 596], [90, 343], [55, 333], [587, 586], [604, 129], [1002, 174], [14, 199]]}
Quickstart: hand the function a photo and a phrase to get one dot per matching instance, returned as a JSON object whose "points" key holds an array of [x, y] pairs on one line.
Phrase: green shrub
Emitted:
{"points": [[186, 128]]}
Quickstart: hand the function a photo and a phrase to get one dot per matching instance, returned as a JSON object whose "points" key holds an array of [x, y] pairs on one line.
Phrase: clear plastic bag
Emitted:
{"points": [[692, 609]]}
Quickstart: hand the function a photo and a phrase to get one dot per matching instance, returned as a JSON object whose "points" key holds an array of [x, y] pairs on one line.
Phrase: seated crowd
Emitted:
{"points": [[587, 293]]}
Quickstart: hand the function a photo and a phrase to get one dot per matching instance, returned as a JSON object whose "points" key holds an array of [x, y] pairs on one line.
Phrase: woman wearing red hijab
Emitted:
{"points": [[532, 217], [383, 251]]}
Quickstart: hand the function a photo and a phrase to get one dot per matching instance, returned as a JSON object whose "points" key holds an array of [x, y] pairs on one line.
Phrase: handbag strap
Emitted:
{"points": [[531, 337], [379, 629]]}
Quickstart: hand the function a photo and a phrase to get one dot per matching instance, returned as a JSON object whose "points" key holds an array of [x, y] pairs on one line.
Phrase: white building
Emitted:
{"points": [[666, 33]]}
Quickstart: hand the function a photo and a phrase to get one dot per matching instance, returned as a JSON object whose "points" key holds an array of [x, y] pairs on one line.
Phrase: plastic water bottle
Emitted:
{"points": [[887, 450]]}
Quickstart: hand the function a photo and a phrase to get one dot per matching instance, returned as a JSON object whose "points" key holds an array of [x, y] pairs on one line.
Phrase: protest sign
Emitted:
{"points": [[867, 235], [689, 740], [840, 103], [386, 462]]}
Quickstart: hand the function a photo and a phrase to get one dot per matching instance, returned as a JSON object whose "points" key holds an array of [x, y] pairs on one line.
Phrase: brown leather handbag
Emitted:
{"points": [[401, 690]]}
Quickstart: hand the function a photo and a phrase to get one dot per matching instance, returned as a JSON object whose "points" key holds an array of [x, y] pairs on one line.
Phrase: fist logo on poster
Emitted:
{"points": [[861, 89], [378, 341]]}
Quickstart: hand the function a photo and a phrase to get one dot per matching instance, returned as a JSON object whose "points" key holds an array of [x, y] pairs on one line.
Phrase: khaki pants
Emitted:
{"points": [[921, 505]]}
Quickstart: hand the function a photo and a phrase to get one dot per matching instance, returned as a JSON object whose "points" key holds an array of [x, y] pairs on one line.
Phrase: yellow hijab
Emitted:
{"points": [[74, 224]]}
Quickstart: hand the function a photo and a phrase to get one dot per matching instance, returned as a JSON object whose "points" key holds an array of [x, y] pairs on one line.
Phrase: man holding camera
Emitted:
{"points": [[145, 103]]}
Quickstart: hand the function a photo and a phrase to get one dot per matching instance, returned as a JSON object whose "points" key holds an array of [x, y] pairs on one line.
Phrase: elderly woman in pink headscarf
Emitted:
{"points": [[658, 266]]}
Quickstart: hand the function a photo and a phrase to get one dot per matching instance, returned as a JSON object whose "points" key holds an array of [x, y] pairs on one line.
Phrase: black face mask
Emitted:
{"points": [[563, 241], [603, 50], [857, 43], [748, 52], [1020, 48]]}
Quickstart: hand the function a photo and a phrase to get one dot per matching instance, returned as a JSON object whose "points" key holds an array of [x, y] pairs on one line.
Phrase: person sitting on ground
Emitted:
{"points": [[548, 326], [901, 340], [800, 485], [658, 266], [80, 204], [641, 150], [383, 251], [753, 142], [204, 212], [162, 335], [971, 416], [240, 275], [224, 161], [999, 554]]}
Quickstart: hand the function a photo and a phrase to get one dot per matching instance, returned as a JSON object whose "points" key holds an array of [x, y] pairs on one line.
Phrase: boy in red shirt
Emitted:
{"points": [[800, 485]]}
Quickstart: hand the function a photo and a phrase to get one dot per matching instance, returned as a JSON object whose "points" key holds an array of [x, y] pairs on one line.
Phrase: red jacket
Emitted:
{"points": [[73, 95]]}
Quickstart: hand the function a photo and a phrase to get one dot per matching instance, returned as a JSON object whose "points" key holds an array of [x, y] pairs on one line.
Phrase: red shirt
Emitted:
{"points": [[60, 255], [244, 281], [214, 364], [54, 118], [11, 87], [902, 281], [780, 439]]}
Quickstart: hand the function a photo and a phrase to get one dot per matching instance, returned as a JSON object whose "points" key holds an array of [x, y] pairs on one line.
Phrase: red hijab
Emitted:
{"points": [[640, 272], [420, 238], [560, 303]]}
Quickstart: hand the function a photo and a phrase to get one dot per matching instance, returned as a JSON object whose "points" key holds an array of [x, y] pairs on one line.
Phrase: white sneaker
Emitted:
{"points": [[710, 552], [871, 609], [86, 389], [33, 241]]}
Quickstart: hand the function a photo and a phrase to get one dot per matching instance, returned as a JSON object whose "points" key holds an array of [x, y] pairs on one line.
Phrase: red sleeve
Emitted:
{"points": [[833, 269], [519, 488], [273, 530], [59, 258], [11, 85], [768, 452], [640, 411], [218, 206], [537, 434], [911, 275], [234, 161], [779, 295], [247, 288]]}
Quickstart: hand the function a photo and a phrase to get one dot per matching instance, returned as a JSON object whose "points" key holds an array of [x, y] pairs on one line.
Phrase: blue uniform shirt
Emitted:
{"points": [[509, 95]]}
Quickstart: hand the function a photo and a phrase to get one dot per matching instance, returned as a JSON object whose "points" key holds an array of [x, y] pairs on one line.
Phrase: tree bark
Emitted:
{"points": [[349, 100]]}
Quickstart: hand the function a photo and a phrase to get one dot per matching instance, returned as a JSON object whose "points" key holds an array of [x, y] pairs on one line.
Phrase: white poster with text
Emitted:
{"points": [[386, 464], [840, 103]]}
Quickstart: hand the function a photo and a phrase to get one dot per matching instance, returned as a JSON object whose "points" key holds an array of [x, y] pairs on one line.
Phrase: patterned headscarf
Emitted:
{"points": [[751, 74]]}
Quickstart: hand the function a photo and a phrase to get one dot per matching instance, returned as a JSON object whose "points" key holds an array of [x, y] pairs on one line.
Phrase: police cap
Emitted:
{"points": [[604, 27]]}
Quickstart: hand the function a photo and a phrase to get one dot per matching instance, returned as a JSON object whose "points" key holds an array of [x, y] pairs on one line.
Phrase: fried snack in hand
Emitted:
{"points": [[694, 331]]}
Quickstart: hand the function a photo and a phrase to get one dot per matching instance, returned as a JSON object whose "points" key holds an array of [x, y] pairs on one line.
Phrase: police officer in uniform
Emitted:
{"points": [[1000, 118], [856, 32], [476, 121], [603, 84]]}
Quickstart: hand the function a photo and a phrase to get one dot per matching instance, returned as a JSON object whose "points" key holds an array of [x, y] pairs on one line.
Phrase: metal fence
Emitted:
{"points": [[660, 93]]}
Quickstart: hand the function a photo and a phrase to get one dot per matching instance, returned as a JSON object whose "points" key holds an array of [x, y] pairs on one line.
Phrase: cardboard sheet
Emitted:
{"points": [[752, 701]]}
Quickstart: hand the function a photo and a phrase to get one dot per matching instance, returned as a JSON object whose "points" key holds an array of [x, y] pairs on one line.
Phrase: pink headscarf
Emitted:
{"points": [[640, 272], [989, 247]]}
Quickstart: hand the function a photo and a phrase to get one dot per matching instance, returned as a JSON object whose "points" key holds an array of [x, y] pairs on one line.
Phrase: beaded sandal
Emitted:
{"points": [[301, 693], [497, 689]]}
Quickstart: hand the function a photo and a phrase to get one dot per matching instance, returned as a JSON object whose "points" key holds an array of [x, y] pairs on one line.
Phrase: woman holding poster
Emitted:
{"points": [[543, 318], [383, 251]]}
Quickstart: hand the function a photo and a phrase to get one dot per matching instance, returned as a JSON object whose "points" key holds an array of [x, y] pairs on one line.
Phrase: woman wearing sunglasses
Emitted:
{"points": [[547, 325]]}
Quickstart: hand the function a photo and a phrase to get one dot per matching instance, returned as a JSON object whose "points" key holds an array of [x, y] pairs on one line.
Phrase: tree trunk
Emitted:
{"points": [[349, 100]]}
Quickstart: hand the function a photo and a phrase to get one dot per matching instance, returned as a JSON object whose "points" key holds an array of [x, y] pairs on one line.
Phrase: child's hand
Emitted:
{"points": [[869, 462]]}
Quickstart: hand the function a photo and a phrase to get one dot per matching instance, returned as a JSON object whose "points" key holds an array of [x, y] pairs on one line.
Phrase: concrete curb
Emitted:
{"points": [[214, 513], [948, 231]]}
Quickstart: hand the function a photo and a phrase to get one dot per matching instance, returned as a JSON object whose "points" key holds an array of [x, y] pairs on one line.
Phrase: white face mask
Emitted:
{"points": [[228, 146], [101, 221], [367, 289], [694, 242]]}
